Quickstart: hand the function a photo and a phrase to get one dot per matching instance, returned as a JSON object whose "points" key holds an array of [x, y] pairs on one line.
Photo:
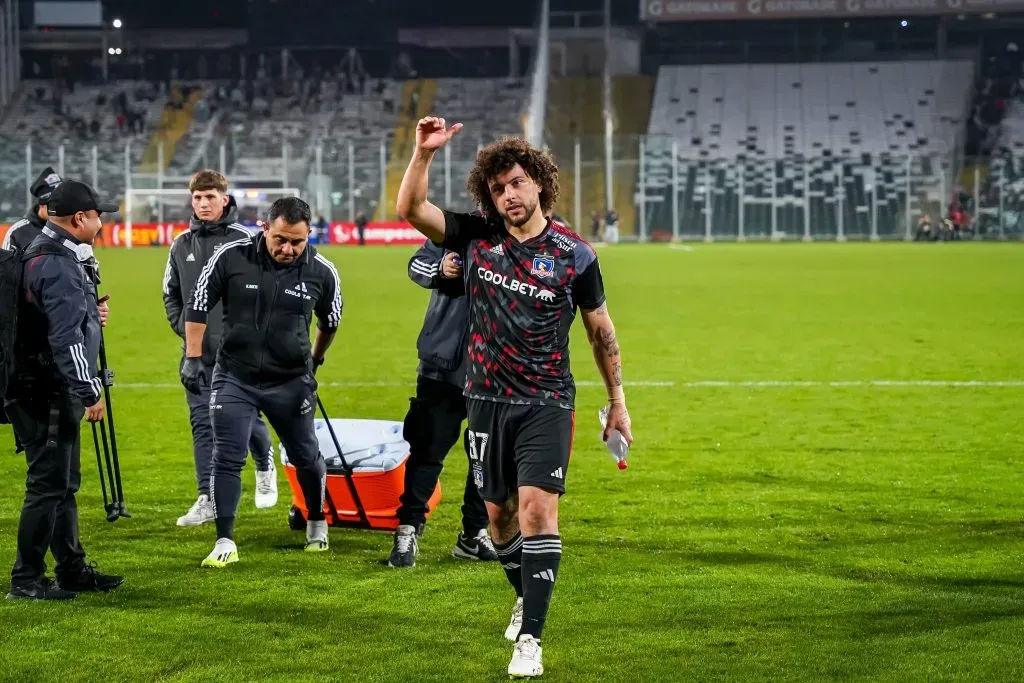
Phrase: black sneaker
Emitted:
{"points": [[88, 579], [43, 589], [406, 547], [480, 547]]}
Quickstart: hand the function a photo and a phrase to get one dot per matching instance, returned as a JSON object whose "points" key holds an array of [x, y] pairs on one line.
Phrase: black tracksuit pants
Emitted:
{"points": [[432, 427], [48, 428], [260, 444], [289, 406]]}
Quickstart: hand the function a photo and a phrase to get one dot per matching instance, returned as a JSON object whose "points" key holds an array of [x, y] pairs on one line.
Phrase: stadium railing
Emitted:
{"points": [[674, 197]]}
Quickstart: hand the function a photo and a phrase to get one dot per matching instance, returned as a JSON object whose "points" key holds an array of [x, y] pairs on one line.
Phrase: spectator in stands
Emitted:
{"points": [[595, 224]]}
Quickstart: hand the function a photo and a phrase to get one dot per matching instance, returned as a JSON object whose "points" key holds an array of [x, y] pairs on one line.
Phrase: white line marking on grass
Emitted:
{"points": [[757, 384], [680, 247], [370, 385], [698, 384]]}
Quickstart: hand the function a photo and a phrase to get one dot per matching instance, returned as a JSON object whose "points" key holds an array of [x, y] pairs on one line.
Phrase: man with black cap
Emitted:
{"points": [[21, 234], [54, 386]]}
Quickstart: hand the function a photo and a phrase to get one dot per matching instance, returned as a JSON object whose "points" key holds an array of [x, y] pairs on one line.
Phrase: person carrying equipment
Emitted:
{"points": [[270, 284], [213, 224], [55, 384]]}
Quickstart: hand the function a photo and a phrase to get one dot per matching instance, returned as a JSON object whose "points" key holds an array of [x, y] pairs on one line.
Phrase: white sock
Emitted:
{"points": [[316, 531]]}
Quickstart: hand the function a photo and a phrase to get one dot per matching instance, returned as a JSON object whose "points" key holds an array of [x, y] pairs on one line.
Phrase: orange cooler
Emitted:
{"points": [[377, 454]]}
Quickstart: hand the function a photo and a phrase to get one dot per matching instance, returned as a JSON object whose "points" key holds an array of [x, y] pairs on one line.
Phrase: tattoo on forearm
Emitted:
{"points": [[609, 347]]}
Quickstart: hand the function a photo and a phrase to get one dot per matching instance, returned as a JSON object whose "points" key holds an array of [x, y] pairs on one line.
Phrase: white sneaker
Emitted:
{"points": [[316, 537], [516, 623], [526, 658], [266, 488], [201, 512], [224, 552]]}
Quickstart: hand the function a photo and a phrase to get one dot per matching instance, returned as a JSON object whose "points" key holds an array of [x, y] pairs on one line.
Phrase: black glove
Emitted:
{"points": [[315, 363], [193, 375]]}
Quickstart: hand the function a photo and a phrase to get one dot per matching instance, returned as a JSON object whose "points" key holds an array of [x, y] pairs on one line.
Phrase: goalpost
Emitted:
{"points": [[165, 211]]}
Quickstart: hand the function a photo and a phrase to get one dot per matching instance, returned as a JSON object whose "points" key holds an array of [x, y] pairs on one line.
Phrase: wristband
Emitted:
{"points": [[616, 394]]}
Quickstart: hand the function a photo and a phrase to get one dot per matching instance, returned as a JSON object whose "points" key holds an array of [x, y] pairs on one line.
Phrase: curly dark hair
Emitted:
{"points": [[498, 158]]}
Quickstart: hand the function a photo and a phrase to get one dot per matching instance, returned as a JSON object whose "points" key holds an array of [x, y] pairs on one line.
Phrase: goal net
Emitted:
{"points": [[156, 217]]}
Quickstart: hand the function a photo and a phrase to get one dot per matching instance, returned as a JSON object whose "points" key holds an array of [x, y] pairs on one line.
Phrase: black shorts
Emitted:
{"points": [[518, 445]]}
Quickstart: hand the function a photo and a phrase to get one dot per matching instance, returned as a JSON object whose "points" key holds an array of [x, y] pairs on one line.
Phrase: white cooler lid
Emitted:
{"points": [[368, 445]]}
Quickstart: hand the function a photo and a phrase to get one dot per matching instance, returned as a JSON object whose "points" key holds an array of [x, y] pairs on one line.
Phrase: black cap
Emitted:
{"points": [[45, 184], [72, 196]]}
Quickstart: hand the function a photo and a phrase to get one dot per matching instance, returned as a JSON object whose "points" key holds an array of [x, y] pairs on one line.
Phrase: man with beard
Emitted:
{"points": [[526, 276]]}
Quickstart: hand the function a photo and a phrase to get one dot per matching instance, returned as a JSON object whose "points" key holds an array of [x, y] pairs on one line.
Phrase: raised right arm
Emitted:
{"points": [[412, 204]]}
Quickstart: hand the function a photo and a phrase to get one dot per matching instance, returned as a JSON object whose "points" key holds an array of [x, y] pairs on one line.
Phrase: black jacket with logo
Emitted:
{"points": [[22, 233], [268, 308], [190, 251], [442, 341], [58, 336]]}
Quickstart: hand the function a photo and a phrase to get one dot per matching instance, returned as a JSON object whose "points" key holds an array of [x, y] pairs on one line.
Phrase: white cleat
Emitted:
{"points": [[225, 552], [526, 658], [316, 537], [266, 488], [201, 512], [516, 623]]}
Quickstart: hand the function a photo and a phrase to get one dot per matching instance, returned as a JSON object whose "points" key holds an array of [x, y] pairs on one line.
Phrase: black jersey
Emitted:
{"points": [[523, 298]]}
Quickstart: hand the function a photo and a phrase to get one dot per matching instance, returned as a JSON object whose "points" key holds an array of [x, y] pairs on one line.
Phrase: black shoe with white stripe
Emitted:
{"points": [[480, 547], [403, 553]]}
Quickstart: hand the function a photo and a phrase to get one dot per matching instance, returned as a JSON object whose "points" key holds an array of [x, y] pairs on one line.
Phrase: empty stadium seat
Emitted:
{"points": [[488, 108], [817, 147]]}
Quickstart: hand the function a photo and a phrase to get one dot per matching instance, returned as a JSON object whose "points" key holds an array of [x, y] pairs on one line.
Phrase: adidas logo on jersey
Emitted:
{"points": [[558, 474], [191, 258], [499, 249]]}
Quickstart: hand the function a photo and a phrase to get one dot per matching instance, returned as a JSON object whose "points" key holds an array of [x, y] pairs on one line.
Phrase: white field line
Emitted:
{"points": [[722, 384]]}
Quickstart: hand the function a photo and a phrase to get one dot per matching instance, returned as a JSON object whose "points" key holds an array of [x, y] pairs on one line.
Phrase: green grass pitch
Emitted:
{"points": [[811, 495]]}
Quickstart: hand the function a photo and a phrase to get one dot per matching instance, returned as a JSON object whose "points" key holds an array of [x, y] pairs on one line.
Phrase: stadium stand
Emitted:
{"points": [[792, 135], [575, 113], [108, 117], [489, 108]]}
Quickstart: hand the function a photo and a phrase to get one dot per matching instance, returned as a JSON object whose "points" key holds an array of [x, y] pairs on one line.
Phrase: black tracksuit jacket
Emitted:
{"points": [[58, 335], [442, 342], [190, 251], [22, 233], [268, 308]]}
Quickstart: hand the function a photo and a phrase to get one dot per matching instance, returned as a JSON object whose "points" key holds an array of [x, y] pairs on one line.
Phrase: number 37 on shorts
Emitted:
{"points": [[518, 445]]}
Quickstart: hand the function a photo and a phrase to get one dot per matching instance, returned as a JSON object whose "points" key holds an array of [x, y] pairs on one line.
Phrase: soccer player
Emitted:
{"points": [[526, 276], [214, 223], [270, 284]]}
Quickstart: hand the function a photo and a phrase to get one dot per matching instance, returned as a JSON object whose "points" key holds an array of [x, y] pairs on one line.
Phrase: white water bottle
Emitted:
{"points": [[616, 442]]}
